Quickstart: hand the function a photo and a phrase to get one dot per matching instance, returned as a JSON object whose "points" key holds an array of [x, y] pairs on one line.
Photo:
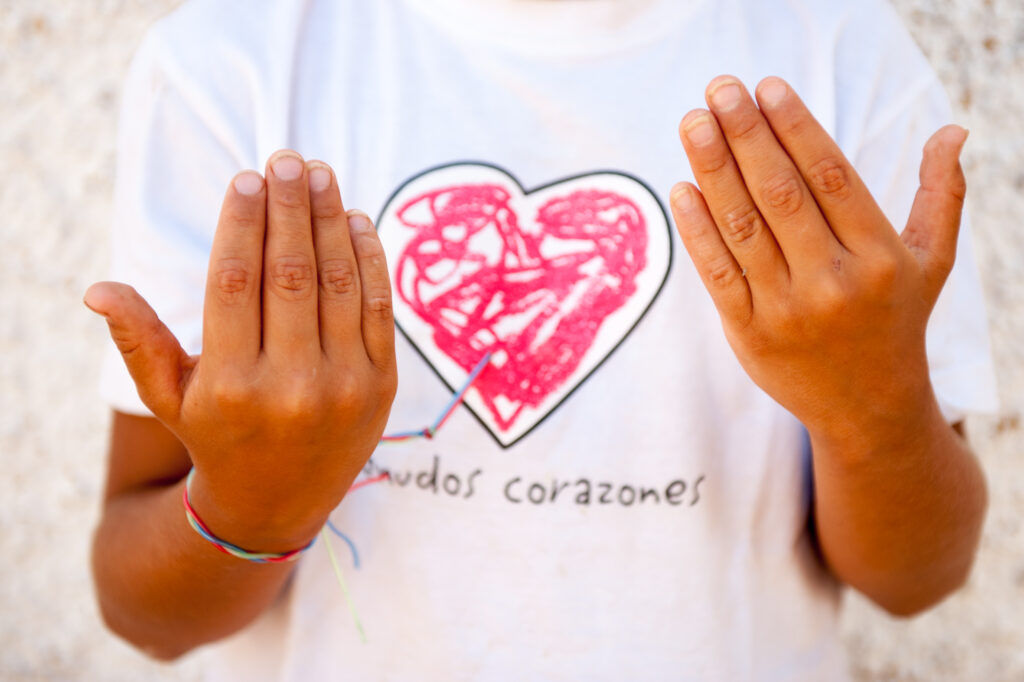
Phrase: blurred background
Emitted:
{"points": [[62, 63]]}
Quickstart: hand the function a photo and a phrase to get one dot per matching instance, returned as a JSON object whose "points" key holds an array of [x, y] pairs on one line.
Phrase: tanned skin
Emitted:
{"points": [[824, 303], [278, 415]]}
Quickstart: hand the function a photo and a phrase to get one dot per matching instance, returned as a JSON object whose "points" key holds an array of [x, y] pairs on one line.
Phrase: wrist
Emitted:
{"points": [[879, 427], [259, 524]]}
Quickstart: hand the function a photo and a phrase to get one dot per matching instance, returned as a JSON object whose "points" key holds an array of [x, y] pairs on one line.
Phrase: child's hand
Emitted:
{"points": [[291, 393], [823, 302]]}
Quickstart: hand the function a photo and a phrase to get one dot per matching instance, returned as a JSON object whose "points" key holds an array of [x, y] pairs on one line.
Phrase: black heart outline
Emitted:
{"points": [[622, 339]]}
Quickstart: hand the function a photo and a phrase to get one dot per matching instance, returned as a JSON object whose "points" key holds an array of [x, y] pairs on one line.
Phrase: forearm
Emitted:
{"points": [[899, 508], [164, 588], [277, 416]]}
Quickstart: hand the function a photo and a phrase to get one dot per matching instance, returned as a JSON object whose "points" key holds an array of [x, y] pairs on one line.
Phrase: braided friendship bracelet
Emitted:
{"points": [[227, 547], [268, 558]]}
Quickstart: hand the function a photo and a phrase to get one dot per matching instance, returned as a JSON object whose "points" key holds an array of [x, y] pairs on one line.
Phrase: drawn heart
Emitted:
{"points": [[548, 281]]}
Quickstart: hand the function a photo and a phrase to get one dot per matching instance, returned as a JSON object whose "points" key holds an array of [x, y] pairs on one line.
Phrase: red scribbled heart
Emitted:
{"points": [[532, 278], [538, 308]]}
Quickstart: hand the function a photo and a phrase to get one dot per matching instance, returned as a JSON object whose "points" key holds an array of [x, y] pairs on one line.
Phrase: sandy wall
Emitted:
{"points": [[61, 66]]}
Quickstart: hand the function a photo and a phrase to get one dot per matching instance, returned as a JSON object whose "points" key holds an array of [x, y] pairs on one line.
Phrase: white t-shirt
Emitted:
{"points": [[617, 500]]}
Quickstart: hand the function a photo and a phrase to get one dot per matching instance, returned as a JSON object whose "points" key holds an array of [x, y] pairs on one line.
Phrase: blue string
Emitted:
{"points": [[351, 545], [459, 394], [406, 434], [424, 433]]}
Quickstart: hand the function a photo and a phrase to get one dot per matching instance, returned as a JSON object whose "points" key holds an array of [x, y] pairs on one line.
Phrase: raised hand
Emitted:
{"points": [[823, 302], [291, 393]]}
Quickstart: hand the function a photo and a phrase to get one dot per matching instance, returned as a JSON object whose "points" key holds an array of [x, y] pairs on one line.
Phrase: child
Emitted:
{"points": [[645, 482]]}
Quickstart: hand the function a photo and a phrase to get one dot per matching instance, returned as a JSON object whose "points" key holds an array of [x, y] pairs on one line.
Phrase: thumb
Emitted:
{"points": [[153, 356], [934, 222]]}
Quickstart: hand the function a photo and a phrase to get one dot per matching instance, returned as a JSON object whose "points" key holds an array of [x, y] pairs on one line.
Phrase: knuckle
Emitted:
{"points": [[785, 314], [712, 163], [228, 394], [884, 269], [829, 177], [346, 392], [783, 193], [331, 211], [885, 263], [292, 274], [368, 248], [245, 221], [292, 199], [232, 278], [741, 225], [133, 342], [338, 277], [298, 404], [721, 271], [792, 126], [127, 345], [830, 297], [747, 128], [374, 259], [379, 305]]}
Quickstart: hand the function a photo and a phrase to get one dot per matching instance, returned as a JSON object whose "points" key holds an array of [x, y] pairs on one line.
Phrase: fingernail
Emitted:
{"points": [[699, 131], [86, 302], [90, 293], [682, 197], [772, 92], [319, 178], [248, 183], [966, 134], [359, 221], [287, 167], [726, 96]]}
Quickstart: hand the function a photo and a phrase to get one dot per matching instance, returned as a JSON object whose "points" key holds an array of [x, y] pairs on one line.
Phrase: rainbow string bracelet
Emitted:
{"points": [[268, 557]]}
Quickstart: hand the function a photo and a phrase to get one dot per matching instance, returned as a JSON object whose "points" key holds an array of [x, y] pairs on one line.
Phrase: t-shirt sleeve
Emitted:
{"points": [[889, 157], [178, 147]]}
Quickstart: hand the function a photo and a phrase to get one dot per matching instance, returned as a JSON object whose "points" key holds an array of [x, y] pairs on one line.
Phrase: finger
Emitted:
{"points": [[338, 274], [774, 183], [154, 358], [722, 275], [290, 316], [378, 322], [231, 308], [852, 213], [934, 224], [742, 228]]}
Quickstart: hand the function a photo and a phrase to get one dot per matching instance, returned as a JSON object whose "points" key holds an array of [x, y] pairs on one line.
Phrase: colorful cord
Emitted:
{"points": [[456, 400], [267, 557], [348, 541], [428, 432], [341, 582], [227, 547]]}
